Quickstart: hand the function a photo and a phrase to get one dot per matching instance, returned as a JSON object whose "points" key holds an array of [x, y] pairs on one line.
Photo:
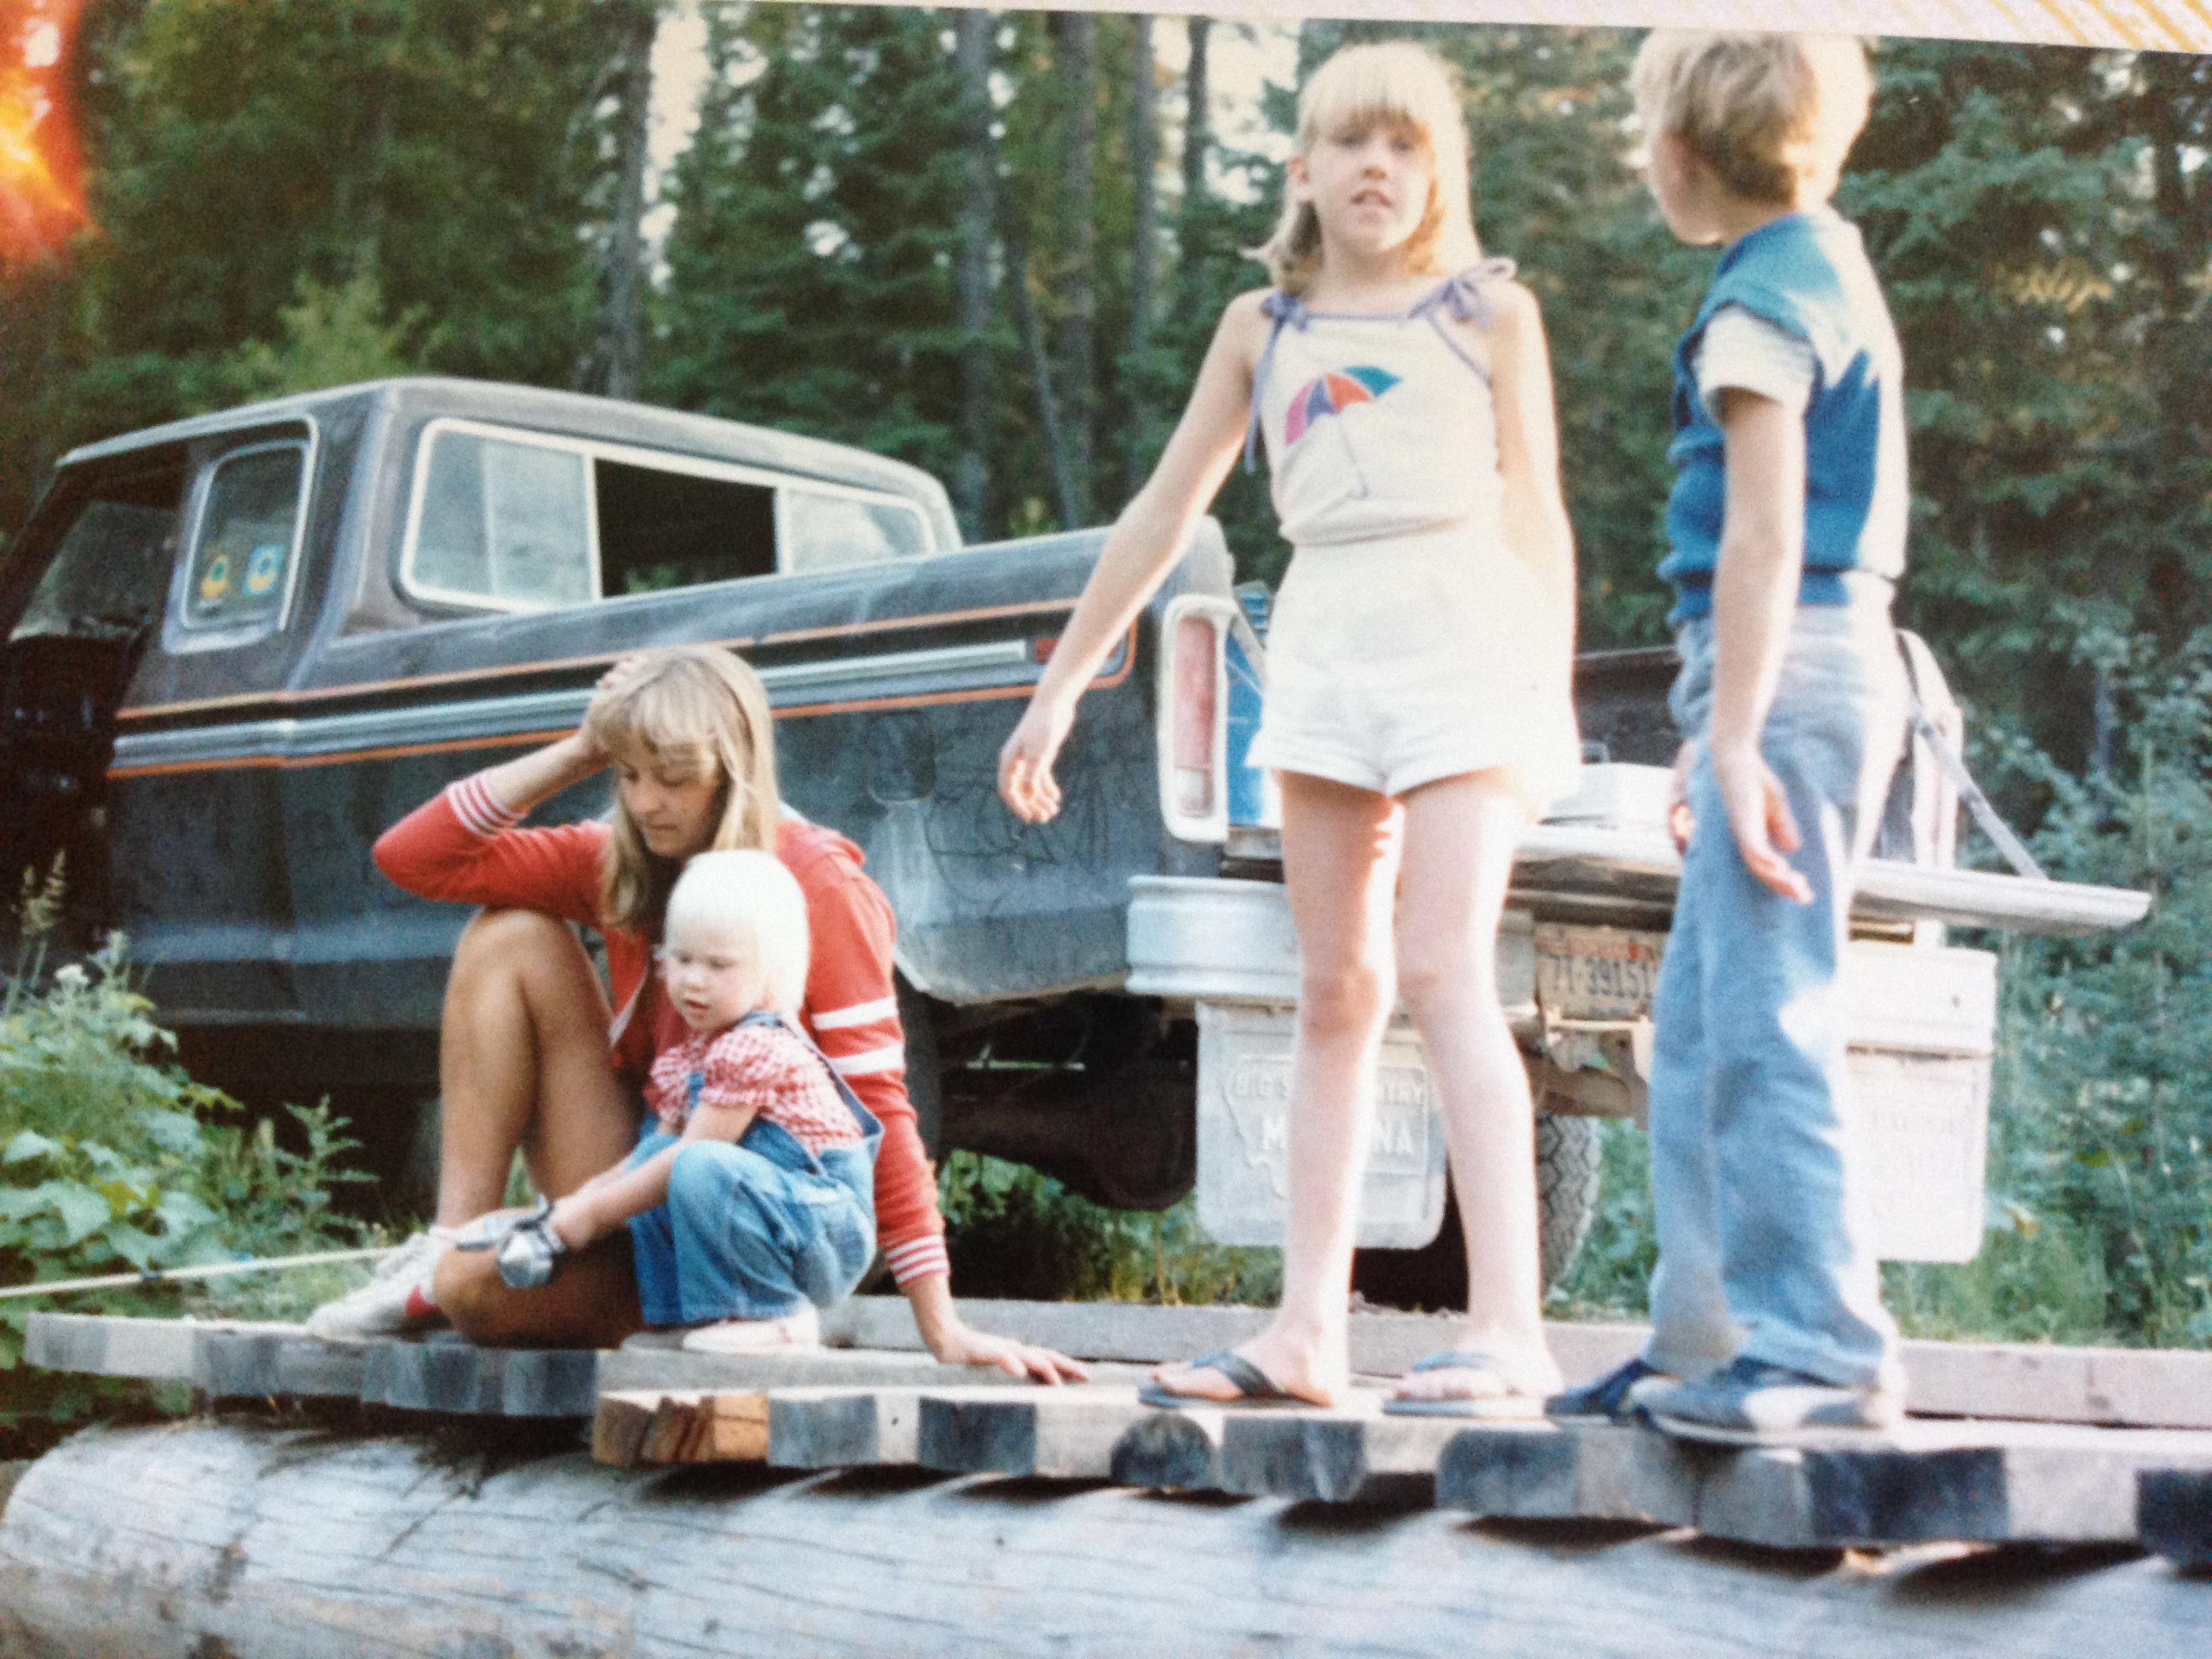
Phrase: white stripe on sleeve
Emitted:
{"points": [[889, 1058], [481, 811], [918, 1258], [860, 1013]]}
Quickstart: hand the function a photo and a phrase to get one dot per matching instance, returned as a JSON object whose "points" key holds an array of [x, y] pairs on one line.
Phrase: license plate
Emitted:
{"points": [[1596, 973]]}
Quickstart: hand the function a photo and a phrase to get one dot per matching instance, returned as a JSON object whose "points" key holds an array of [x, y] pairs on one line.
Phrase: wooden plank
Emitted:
{"points": [[843, 1428], [1551, 1472], [1170, 1450], [639, 1428], [2173, 1515], [1064, 1434], [1351, 1455], [1977, 1482], [2030, 1382]]}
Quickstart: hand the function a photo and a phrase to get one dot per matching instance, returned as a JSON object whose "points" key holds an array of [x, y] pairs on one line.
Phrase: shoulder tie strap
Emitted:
{"points": [[1461, 293], [1282, 309]]}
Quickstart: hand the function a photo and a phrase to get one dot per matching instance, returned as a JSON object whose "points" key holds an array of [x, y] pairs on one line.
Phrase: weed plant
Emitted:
{"points": [[1014, 1233], [112, 1160]]}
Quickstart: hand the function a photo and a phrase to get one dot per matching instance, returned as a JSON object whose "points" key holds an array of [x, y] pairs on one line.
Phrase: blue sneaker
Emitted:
{"points": [[1750, 1402], [1612, 1398]]}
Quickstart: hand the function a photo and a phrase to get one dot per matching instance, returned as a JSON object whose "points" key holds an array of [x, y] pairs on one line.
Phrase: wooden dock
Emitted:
{"points": [[1983, 1478]]}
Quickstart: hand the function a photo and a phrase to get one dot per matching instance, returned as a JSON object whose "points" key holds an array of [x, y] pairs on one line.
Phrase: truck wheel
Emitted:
{"points": [[1569, 1165], [1435, 1276]]}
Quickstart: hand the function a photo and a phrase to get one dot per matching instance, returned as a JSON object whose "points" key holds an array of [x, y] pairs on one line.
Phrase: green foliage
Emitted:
{"points": [[330, 336], [1612, 1277], [1013, 1233], [111, 1162], [2105, 1084]]}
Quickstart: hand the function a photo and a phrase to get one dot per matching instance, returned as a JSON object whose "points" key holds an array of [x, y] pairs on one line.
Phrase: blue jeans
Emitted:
{"points": [[1764, 1221], [756, 1230]]}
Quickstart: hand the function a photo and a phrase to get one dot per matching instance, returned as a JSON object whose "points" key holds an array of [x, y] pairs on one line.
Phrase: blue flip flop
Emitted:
{"points": [[1508, 1406], [1255, 1388]]}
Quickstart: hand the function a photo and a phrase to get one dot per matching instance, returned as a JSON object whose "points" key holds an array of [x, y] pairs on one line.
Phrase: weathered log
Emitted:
{"points": [[234, 1539]]}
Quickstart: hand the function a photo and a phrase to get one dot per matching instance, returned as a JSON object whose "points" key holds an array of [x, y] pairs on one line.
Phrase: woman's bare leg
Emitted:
{"points": [[591, 1304], [522, 1062], [1460, 835], [1340, 866]]}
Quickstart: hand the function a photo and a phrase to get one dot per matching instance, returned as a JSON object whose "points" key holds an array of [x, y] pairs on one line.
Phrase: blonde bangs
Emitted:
{"points": [[1399, 84], [701, 712]]}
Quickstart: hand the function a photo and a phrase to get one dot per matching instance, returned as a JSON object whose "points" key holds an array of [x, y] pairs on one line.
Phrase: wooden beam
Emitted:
{"points": [[634, 1429]]}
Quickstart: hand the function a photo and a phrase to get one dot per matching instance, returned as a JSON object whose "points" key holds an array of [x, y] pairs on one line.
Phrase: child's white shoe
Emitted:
{"points": [[802, 1329]]}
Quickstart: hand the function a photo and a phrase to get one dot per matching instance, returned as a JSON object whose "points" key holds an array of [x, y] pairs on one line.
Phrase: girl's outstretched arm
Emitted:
{"points": [[1536, 524], [1145, 541]]}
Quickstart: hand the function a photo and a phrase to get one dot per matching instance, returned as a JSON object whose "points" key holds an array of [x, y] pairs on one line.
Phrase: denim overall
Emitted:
{"points": [[757, 1228]]}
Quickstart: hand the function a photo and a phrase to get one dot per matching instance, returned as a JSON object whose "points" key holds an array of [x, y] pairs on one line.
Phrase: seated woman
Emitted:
{"points": [[532, 1054]]}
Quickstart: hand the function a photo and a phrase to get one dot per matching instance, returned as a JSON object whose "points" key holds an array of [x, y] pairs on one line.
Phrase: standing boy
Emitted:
{"points": [[1787, 524]]}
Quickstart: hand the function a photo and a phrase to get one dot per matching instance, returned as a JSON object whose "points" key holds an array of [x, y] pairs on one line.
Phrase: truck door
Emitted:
{"points": [[198, 837], [81, 594]]}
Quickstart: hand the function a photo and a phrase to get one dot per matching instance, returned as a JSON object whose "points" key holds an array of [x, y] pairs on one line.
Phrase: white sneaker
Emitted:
{"points": [[802, 1329], [397, 1298]]}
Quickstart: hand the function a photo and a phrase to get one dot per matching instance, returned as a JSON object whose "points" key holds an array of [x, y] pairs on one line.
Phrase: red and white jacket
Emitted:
{"points": [[466, 845]]}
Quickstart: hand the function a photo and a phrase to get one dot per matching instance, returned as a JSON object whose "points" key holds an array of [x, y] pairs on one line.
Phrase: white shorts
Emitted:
{"points": [[1393, 662]]}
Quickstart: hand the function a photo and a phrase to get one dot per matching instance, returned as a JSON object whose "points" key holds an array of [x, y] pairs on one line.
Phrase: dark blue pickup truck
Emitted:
{"points": [[239, 647]]}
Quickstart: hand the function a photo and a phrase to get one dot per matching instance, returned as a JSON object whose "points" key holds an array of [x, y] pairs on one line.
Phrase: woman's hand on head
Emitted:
{"points": [[1025, 780], [618, 674]]}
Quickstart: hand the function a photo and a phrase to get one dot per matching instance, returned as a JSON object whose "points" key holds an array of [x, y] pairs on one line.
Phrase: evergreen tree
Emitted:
{"points": [[812, 282]]}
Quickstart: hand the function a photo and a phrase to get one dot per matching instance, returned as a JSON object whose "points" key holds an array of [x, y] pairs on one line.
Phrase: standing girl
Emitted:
{"points": [[1419, 709]]}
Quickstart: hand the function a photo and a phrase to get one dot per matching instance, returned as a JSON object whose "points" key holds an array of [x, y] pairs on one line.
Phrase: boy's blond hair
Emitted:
{"points": [[746, 897], [1772, 115], [698, 710], [1401, 83]]}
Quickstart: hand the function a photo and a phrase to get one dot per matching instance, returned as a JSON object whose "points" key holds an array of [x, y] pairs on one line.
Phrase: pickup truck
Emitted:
{"points": [[239, 647]]}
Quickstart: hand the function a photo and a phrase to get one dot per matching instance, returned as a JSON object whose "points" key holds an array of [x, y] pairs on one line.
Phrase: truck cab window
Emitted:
{"points": [[502, 525], [823, 530], [660, 529], [247, 539]]}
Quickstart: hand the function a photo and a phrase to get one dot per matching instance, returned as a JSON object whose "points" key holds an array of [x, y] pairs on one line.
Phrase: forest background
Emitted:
{"points": [[995, 244]]}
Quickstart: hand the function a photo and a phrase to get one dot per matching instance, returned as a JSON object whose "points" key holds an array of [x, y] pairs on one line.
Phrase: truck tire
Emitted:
{"points": [[1434, 1277], [1569, 1171]]}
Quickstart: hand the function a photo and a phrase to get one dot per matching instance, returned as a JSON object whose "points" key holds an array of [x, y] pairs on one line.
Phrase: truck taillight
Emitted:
{"points": [[1196, 681]]}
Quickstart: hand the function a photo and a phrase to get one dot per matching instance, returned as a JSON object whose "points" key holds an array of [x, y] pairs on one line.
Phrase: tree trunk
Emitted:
{"points": [[619, 356], [1077, 49], [1056, 433], [215, 1538], [1197, 140], [971, 477], [1143, 251]]}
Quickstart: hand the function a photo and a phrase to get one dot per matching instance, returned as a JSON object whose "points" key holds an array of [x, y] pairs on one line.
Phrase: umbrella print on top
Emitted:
{"points": [[1332, 394]]}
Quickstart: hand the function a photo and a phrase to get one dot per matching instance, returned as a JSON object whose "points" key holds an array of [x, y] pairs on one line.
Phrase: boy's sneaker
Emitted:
{"points": [[1750, 1402], [397, 1298], [1614, 1398]]}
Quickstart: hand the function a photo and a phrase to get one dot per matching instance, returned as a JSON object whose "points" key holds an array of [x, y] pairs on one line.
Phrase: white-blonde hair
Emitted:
{"points": [[751, 900], [1771, 114], [1401, 83], [701, 711]]}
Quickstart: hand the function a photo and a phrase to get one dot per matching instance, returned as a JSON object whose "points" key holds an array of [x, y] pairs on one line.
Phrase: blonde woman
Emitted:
{"points": [[534, 1056]]}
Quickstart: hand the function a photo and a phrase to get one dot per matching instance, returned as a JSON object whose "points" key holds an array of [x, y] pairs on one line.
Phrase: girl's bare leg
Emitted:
{"points": [[1460, 835], [1340, 866], [522, 1062]]}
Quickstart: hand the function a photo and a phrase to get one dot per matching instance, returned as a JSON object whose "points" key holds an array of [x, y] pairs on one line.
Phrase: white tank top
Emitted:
{"points": [[1377, 424]]}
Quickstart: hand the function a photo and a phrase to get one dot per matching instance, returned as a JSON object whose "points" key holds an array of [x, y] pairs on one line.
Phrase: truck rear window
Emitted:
{"points": [[509, 521]]}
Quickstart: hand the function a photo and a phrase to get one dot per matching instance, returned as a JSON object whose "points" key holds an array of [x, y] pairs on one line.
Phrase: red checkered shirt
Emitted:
{"points": [[765, 1067]]}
